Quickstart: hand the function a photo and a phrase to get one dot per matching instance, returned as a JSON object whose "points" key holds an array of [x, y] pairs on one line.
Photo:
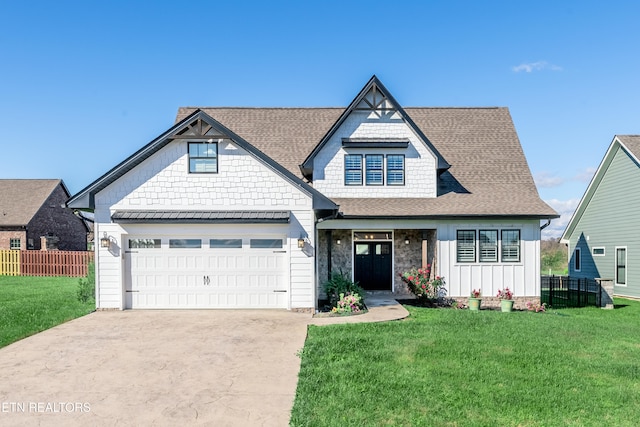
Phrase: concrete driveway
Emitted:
{"points": [[209, 367]]}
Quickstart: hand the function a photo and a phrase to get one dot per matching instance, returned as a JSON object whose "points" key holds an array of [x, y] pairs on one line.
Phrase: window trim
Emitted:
{"points": [[474, 246], [402, 156], [350, 184], [625, 266], [502, 245], [577, 259], [190, 157], [593, 251], [480, 246]]}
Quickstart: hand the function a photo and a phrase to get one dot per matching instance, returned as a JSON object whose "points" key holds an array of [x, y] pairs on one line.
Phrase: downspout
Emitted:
{"points": [[545, 225]]}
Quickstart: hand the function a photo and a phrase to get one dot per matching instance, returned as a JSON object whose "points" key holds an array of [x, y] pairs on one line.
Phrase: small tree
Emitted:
{"points": [[87, 285]]}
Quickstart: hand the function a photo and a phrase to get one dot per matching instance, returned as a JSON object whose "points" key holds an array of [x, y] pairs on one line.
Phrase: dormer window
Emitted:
{"points": [[374, 169], [203, 157], [395, 169], [353, 169]]}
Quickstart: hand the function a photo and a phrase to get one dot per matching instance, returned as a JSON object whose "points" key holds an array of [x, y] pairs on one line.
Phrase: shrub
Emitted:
{"points": [[338, 284], [87, 285], [349, 303], [421, 284]]}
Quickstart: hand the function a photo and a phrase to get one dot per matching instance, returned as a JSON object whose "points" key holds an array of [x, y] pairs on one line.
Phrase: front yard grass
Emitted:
{"points": [[445, 367], [29, 305]]}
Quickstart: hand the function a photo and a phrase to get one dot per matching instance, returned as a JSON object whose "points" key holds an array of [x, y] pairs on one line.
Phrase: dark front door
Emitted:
{"points": [[373, 265]]}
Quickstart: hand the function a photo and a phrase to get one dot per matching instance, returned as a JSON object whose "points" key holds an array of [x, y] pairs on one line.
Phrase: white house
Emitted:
{"points": [[254, 207]]}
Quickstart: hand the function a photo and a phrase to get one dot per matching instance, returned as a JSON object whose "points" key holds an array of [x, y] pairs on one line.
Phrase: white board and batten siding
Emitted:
{"points": [[522, 277], [162, 182]]}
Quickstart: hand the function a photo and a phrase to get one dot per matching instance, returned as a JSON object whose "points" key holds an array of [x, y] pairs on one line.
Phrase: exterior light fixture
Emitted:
{"points": [[105, 242], [338, 242], [301, 242], [406, 240]]}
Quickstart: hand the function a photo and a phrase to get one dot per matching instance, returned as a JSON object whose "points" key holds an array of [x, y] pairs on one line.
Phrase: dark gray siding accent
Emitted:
{"points": [[611, 220]]}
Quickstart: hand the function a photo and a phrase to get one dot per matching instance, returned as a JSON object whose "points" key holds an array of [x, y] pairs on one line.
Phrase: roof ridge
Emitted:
{"points": [[337, 108]]}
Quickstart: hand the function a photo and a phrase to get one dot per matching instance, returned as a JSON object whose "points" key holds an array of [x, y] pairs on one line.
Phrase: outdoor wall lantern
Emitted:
{"points": [[338, 242], [406, 240], [301, 242], [105, 242]]}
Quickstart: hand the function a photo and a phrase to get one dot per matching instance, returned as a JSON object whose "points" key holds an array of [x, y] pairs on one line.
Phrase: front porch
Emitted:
{"points": [[375, 259]]}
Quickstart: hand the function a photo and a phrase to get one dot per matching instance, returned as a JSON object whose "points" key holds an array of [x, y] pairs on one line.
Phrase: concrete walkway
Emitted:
{"points": [[381, 308]]}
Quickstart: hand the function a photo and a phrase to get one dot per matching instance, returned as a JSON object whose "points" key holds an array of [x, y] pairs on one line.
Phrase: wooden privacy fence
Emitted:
{"points": [[44, 263]]}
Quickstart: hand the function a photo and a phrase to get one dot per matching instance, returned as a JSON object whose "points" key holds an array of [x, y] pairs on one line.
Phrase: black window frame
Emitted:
{"points": [[463, 243], [201, 157], [504, 247], [483, 245], [622, 267], [348, 169], [369, 168], [388, 170]]}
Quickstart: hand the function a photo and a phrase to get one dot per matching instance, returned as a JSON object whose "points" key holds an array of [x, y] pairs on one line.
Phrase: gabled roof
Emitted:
{"points": [[377, 88], [631, 145], [20, 199], [197, 124], [489, 173]]}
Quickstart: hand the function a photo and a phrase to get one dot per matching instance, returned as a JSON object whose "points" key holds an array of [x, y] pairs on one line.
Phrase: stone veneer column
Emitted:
{"points": [[605, 297]]}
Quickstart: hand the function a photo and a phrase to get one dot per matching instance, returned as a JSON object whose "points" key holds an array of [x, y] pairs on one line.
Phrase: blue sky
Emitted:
{"points": [[85, 84]]}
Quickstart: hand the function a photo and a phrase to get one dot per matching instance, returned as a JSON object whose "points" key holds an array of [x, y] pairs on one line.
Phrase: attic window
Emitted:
{"points": [[203, 157]]}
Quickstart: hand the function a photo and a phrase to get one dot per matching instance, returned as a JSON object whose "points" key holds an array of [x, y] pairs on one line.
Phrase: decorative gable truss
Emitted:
{"points": [[375, 144]]}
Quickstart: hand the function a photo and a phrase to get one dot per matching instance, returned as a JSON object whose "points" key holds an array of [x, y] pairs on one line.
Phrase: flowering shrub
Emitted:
{"points": [[420, 284], [537, 307], [340, 284], [476, 293], [350, 303], [505, 294]]}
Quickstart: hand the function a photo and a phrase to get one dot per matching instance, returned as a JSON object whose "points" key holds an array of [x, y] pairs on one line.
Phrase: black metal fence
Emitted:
{"points": [[565, 291]]}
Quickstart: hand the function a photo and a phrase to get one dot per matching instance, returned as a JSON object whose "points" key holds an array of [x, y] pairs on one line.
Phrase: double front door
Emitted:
{"points": [[373, 265]]}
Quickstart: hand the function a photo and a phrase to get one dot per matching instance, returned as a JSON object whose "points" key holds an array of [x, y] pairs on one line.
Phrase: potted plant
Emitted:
{"points": [[475, 299], [506, 300]]}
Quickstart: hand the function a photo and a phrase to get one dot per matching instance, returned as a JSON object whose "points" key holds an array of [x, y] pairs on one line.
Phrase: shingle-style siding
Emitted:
{"points": [[162, 182], [610, 220], [420, 164], [54, 219]]}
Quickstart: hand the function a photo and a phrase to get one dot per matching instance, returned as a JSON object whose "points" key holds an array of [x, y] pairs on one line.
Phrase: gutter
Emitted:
{"points": [[545, 225]]}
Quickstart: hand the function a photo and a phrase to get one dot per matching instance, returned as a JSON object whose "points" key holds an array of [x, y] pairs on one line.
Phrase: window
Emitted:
{"points": [[14, 244], [488, 245], [265, 243], [353, 169], [466, 246], [203, 157], [225, 243], [144, 244], [597, 251], [510, 245], [577, 259], [621, 266], [395, 169], [185, 243], [375, 165]]}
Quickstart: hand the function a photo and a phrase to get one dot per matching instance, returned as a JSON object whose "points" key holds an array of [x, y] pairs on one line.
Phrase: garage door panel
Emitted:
{"points": [[247, 277]]}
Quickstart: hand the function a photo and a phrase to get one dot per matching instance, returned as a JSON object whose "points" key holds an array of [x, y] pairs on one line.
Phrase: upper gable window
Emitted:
{"points": [[353, 169], [395, 169], [203, 157], [375, 166]]}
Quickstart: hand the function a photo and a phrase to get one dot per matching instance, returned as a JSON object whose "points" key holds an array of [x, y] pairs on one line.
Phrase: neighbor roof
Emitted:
{"points": [[488, 172], [20, 199]]}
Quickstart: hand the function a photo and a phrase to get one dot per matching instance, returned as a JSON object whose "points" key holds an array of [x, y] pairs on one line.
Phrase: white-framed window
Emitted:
{"points": [[597, 251], [621, 266], [15, 244], [353, 169], [510, 245], [488, 241], [466, 245], [577, 259], [203, 157], [395, 169]]}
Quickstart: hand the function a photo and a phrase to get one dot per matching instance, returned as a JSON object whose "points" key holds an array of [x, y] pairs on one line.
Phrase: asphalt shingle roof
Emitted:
{"points": [[20, 199], [632, 142], [489, 174]]}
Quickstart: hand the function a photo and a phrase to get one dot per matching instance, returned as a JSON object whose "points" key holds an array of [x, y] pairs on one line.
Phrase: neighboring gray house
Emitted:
{"points": [[33, 209], [603, 235], [253, 207]]}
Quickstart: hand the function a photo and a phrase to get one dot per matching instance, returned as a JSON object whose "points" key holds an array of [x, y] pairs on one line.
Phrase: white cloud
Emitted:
{"points": [[585, 175], [565, 209], [535, 66], [545, 179]]}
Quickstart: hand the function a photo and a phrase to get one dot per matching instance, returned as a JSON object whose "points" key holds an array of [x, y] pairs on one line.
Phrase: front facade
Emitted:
{"points": [[255, 207], [33, 216], [601, 236]]}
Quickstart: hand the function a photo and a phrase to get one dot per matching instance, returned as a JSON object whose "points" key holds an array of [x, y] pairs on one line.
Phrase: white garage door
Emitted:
{"points": [[242, 272]]}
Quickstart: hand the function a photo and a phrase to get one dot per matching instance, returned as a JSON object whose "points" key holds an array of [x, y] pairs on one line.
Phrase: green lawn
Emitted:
{"points": [[30, 304], [445, 367]]}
